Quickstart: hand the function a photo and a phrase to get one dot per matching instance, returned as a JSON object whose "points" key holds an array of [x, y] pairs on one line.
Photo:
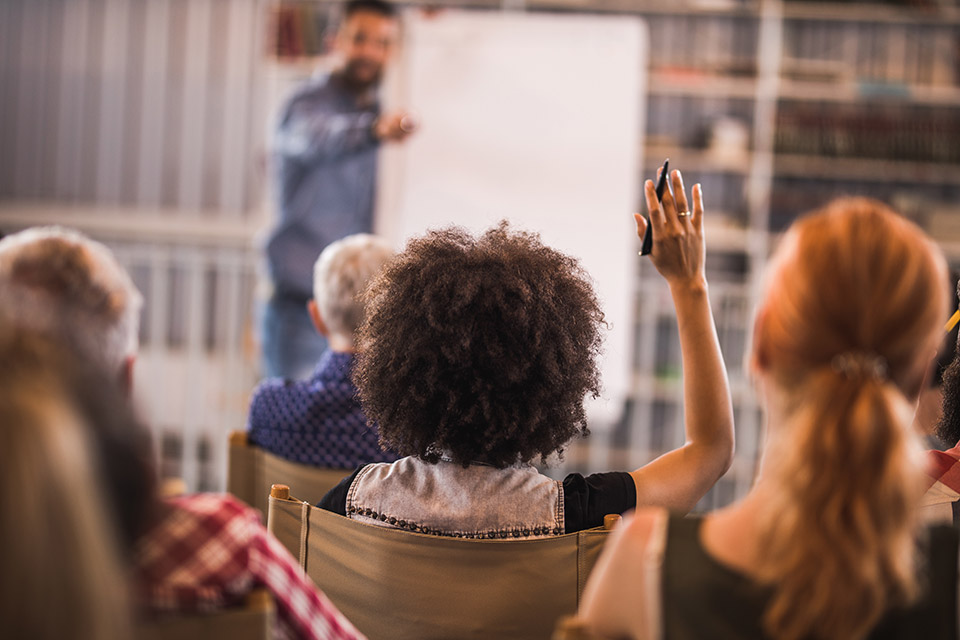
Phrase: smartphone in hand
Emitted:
{"points": [[647, 245]]}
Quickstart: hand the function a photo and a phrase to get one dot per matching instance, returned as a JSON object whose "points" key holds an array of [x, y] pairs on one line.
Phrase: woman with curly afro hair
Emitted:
{"points": [[474, 360]]}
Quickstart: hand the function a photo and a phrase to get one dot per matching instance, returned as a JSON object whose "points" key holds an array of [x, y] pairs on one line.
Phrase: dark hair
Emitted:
{"points": [[947, 350], [380, 7], [948, 429], [479, 348]]}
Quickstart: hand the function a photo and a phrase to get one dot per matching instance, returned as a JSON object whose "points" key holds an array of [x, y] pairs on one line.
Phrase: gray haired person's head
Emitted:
{"points": [[341, 274], [63, 280]]}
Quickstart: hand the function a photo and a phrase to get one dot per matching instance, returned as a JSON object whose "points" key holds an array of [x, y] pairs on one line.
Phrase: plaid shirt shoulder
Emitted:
{"points": [[210, 550], [944, 467]]}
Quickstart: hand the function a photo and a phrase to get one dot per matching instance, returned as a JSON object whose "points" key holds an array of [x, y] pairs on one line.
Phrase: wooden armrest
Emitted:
{"points": [[260, 600], [571, 628], [172, 487]]}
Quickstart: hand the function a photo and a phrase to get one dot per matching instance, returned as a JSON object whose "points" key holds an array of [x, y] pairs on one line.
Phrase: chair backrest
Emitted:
{"points": [[251, 472], [399, 584], [254, 621]]}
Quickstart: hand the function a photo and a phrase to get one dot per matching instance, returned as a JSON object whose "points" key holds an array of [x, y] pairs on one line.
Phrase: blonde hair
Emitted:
{"points": [[80, 278], [341, 274], [856, 295], [62, 573]]}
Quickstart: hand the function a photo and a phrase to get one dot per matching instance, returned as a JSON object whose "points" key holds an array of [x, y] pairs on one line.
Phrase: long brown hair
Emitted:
{"points": [[855, 298], [61, 545]]}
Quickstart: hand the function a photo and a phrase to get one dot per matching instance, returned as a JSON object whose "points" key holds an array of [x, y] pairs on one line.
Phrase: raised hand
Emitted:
{"points": [[678, 250]]}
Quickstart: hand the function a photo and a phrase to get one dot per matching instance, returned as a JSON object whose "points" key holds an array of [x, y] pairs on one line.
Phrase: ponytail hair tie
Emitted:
{"points": [[860, 364]]}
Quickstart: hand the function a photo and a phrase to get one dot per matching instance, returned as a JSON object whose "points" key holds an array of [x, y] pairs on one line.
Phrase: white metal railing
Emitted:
{"points": [[198, 362], [142, 124], [134, 105]]}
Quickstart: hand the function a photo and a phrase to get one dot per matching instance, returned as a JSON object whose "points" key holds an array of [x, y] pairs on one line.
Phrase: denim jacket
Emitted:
{"points": [[479, 501]]}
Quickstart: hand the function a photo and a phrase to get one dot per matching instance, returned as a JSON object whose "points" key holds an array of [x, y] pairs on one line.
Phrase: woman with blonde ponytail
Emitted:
{"points": [[827, 543]]}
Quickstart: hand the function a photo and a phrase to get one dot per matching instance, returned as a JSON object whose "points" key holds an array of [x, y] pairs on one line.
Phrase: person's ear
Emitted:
{"points": [[317, 319], [759, 358], [125, 375]]}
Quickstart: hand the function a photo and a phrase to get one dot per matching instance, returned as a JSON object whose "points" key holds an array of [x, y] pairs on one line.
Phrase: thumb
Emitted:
{"points": [[641, 224]]}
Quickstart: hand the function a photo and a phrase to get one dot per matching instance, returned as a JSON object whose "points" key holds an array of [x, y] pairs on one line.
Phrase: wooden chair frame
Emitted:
{"points": [[254, 621]]}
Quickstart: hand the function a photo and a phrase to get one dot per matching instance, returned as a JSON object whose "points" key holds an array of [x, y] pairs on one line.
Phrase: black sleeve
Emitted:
{"points": [[336, 498], [587, 499]]}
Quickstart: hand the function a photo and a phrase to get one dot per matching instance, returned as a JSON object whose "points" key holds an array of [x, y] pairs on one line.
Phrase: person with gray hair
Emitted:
{"points": [[58, 281], [319, 421], [71, 289]]}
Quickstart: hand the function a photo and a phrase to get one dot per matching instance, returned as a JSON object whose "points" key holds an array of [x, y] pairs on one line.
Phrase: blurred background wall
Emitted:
{"points": [[145, 124]]}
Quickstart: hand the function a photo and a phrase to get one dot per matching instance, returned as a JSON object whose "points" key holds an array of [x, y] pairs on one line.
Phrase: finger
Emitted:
{"points": [[641, 225], [678, 192], [669, 207], [697, 216], [653, 206]]}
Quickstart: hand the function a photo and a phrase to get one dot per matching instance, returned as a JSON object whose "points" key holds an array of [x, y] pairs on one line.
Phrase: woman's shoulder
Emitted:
{"points": [[639, 536], [618, 601], [208, 503], [644, 523]]}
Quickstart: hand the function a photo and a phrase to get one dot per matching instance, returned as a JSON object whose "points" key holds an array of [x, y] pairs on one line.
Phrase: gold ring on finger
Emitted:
{"points": [[683, 214]]}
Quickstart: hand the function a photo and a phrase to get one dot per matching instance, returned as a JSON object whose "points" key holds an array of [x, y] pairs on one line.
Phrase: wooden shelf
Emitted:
{"points": [[705, 85], [870, 12], [858, 92], [869, 169], [642, 7], [699, 160]]}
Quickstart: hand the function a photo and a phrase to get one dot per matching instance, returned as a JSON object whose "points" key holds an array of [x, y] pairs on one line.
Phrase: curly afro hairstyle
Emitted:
{"points": [[482, 349]]}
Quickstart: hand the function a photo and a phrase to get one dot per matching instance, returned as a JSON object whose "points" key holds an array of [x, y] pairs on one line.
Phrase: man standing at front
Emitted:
{"points": [[326, 158]]}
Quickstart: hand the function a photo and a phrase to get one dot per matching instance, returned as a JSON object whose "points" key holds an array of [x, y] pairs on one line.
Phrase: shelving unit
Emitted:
{"points": [[756, 185]]}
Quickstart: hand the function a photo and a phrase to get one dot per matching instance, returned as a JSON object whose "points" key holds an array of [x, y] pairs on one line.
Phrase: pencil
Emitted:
{"points": [[952, 322]]}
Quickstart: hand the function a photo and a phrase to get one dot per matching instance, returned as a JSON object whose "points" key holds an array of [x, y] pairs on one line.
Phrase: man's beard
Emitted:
{"points": [[358, 83], [948, 428]]}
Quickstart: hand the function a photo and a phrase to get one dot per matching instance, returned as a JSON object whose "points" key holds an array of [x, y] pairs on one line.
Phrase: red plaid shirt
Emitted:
{"points": [[210, 550], [943, 484]]}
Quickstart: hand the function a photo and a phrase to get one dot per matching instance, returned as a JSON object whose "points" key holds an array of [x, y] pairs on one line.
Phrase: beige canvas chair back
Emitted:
{"points": [[251, 472], [252, 622], [403, 585]]}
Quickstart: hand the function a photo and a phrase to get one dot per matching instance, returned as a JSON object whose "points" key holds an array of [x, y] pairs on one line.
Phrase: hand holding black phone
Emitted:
{"points": [[647, 245]]}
